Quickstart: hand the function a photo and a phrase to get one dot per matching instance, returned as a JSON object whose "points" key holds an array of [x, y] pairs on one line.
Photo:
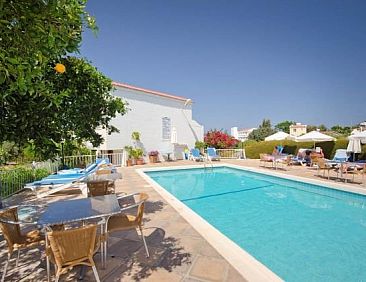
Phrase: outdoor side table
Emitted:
{"points": [[64, 212]]}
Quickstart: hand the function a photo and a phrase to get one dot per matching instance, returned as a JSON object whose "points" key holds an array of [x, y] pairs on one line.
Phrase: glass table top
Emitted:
{"points": [[80, 209]]}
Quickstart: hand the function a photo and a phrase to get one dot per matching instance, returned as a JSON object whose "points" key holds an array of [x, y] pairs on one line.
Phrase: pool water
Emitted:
{"points": [[301, 231]]}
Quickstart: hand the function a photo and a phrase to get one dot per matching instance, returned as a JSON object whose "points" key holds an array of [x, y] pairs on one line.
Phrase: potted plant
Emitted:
{"points": [[129, 151], [153, 156], [138, 153]]}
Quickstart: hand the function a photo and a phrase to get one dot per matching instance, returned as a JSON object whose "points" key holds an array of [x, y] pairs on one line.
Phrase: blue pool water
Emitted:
{"points": [[302, 232]]}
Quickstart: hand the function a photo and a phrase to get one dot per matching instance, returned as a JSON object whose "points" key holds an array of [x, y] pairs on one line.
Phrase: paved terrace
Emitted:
{"points": [[177, 251]]}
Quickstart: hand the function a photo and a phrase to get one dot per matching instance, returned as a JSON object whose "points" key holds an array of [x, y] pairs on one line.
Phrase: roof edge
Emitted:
{"points": [[157, 93]]}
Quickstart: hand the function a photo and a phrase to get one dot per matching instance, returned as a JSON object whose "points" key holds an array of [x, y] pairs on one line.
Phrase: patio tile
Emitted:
{"points": [[217, 269], [208, 250], [234, 275]]}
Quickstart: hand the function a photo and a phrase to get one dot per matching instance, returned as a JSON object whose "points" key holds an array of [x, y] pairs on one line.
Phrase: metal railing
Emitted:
{"points": [[231, 153], [84, 160], [13, 180]]}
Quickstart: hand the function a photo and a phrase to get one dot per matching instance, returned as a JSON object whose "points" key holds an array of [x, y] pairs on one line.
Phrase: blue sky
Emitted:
{"points": [[239, 61]]}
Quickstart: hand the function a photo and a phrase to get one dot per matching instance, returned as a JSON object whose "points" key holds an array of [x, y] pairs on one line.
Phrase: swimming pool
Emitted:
{"points": [[301, 231]]}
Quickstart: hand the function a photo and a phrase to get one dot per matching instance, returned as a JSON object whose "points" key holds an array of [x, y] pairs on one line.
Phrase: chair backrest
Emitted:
{"points": [[211, 152], [320, 162], [11, 231], [195, 153], [142, 197], [103, 171], [97, 188], [340, 155], [73, 245]]}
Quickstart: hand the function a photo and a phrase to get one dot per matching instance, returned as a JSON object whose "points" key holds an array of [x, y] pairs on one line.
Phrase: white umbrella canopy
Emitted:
{"points": [[314, 136], [277, 136], [360, 135], [354, 146]]}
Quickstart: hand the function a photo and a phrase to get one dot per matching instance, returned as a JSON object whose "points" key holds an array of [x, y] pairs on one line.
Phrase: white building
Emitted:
{"points": [[241, 134], [297, 129], [164, 121]]}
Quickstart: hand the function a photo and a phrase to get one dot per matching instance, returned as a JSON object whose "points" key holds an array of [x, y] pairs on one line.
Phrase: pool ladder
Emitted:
{"points": [[207, 163]]}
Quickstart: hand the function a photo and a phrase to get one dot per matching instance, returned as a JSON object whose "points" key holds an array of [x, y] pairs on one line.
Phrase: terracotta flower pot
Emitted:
{"points": [[153, 159], [129, 163], [139, 161]]}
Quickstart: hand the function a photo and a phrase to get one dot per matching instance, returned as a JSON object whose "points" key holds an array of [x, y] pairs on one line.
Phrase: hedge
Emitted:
{"points": [[253, 150]]}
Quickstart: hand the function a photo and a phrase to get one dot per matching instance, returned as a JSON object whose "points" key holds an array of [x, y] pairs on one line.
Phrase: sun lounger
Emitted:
{"points": [[212, 155], [98, 162], [59, 182], [195, 155]]}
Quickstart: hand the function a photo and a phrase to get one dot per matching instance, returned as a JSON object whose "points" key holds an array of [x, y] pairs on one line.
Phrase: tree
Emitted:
{"points": [[85, 103], [284, 126], [220, 140], [322, 127], [34, 35], [343, 130], [37, 104], [264, 130], [311, 128]]}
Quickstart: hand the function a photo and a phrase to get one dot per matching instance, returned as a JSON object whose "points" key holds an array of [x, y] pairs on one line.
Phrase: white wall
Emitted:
{"points": [[145, 116]]}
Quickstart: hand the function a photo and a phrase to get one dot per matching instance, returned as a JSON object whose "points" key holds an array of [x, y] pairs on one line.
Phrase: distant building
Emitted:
{"points": [[297, 129], [241, 134], [163, 120]]}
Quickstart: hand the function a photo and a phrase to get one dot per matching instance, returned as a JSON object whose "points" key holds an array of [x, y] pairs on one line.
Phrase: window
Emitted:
{"points": [[166, 126]]}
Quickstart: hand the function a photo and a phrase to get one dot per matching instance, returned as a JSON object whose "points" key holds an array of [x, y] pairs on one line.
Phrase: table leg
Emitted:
{"points": [[47, 260], [101, 244]]}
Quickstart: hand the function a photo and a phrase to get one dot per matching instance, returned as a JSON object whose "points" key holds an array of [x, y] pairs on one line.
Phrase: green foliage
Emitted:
{"points": [[8, 151], [264, 130], [34, 34], [311, 128], [129, 150], [135, 136], [13, 180], [322, 127], [343, 130], [200, 145], [37, 104], [284, 126], [84, 103], [291, 147], [74, 148], [136, 153]]}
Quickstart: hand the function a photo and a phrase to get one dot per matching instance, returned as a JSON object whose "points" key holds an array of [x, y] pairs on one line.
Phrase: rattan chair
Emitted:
{"points": [[72, 247], [322, 165], [10, 227], [125, 221], [103, 171], [98, 188]]}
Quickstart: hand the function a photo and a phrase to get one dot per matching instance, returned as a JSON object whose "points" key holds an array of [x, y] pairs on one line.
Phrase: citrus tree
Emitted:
{"points": [[45, 95]]}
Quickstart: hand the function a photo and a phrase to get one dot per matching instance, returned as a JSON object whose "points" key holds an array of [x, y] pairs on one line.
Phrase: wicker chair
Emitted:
{"points": [[124, 221], [103, 171], [72, 247], [98, 188], [322, 165], [14, 238]]}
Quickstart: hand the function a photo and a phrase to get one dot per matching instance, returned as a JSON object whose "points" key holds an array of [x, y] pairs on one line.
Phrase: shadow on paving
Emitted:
{"points": [[165, 253], [126, 258]]}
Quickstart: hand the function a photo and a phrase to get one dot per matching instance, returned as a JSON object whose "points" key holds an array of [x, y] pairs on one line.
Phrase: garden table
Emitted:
{"points": [[65, 212]]}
